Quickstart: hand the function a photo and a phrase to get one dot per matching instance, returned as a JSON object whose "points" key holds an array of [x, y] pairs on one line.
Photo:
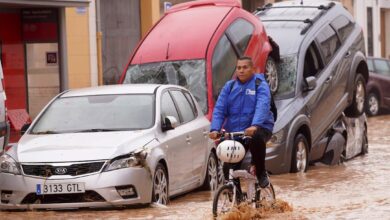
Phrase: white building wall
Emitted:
{"points": [[360, 12]]}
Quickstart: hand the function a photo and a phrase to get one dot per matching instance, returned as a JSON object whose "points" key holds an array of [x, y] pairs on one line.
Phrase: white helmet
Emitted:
{"points": [[230, 151]]}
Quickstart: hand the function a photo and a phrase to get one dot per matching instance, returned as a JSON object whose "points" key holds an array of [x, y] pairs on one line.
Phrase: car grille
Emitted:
{"points": [[72, 170], [88, 196]]}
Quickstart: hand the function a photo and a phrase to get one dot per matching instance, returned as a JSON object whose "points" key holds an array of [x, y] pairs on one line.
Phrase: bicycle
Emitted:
{"points": [[229, 194]]}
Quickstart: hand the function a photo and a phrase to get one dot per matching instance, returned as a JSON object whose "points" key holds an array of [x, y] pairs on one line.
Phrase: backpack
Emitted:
{"points": [[272, 103]]}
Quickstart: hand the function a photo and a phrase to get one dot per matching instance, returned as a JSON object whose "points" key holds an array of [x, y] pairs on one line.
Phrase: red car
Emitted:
{"points": [[378, 97], [196, 45]]}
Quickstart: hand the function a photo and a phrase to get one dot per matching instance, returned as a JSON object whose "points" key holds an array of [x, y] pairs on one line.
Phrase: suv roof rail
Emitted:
{"points": [[308, 21], [320, 7]]}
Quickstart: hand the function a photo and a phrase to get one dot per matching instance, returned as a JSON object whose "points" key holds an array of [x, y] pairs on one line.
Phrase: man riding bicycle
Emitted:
{"points": [[244, 105]]}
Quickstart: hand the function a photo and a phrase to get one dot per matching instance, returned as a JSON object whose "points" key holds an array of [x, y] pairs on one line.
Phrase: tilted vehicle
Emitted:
{"points": [[378, 85], [321, 74], [196, 45], [110, 146]]}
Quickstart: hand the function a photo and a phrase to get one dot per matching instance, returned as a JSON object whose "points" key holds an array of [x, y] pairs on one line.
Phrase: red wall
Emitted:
{"points": [[13, 60]]}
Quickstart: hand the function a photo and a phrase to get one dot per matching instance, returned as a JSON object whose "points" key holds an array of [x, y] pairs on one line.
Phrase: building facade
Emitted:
{"points": [[46, 47]]}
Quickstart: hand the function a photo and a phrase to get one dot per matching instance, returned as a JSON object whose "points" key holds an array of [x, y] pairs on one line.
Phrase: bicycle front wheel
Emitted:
{"points": [[266, 195], [224, 200]]}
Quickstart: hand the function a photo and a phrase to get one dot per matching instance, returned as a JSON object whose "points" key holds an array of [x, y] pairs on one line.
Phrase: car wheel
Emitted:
{"points": [[160, 185], [359, 96], [271, 73], [372, 105], [211, 179], [300, 159]]}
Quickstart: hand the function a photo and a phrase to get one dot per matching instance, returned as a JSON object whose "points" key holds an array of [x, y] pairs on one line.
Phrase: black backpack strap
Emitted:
{"points": [[272, 103], [232, 85]]}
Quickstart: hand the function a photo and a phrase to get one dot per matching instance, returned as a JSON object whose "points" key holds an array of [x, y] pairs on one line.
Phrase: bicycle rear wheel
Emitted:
{"points": [[224, 200]]}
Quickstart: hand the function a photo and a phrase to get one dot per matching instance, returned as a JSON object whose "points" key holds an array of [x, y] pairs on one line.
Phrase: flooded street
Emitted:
{"points": [[356, 189]]}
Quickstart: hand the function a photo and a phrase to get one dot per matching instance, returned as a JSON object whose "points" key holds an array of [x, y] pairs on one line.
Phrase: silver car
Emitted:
{"points": [[110, 146]]}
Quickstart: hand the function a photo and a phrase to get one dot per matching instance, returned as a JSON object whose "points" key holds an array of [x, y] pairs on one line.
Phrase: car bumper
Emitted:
{"points": [[275, 160], [18, 191]]}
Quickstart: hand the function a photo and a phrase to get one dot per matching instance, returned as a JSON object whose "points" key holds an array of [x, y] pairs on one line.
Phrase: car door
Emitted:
{"points": [[316, 99], [177, 145], [344, 51], [328, 110], [196, 133]]}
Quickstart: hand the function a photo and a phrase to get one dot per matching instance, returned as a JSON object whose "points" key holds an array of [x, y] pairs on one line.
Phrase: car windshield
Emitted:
{"points": [[97, 113], [287, 76], [187, 73]]}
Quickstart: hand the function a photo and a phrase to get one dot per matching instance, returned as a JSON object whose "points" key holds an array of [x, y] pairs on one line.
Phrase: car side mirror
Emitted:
{"points": [[311, 83], [169, 123], [24, 128]]}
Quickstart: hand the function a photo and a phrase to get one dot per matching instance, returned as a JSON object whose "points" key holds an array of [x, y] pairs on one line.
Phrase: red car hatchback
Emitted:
{"points": [[196, 45]]}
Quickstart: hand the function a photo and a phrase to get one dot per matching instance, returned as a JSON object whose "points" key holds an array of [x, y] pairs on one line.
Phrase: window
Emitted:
{"points": [[370, 35], [313, 64], [329, 43], [190, 74], [184, 105], [343, 26], [191, 101], [370, 65], [240, 33], [168, 107], [223, 64], [382, 67], [97, 112]]}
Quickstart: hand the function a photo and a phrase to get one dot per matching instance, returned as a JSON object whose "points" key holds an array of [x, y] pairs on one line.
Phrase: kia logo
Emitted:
{"points": [[60, 170]]}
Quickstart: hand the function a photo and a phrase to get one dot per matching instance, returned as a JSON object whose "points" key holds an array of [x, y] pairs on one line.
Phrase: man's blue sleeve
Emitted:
{"points": [[263, 105], [220, 108]]}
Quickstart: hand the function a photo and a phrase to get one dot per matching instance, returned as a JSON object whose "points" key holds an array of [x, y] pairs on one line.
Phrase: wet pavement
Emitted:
{"points": [[357, 189]]}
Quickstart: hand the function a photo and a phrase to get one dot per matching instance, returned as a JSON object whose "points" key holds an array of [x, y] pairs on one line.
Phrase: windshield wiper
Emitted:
{"points": [[96, 130]]}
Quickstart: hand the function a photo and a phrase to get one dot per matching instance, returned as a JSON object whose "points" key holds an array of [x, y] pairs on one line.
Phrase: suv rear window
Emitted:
{"points": [[329, 43], [343, 26], [240, 33]]}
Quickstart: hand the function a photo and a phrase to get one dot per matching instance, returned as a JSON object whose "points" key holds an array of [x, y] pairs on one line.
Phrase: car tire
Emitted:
{"points": [[271, 73], [372, 104], [356, 108], [211, 179], [160, 193], [300, 154]]}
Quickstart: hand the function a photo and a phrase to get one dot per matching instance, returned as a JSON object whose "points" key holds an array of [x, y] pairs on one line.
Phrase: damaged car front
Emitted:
{"points": [[94, 155]]}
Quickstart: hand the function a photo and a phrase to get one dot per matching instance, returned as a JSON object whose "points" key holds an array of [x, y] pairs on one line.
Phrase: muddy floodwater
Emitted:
{"points": [[357, 189]]}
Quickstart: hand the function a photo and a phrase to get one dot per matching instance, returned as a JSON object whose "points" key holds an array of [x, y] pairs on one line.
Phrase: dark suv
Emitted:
{"points": [[321, 74]]}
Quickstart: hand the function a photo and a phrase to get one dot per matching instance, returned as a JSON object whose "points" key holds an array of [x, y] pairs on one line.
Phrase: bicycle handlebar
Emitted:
{"points": [[232, 135]]}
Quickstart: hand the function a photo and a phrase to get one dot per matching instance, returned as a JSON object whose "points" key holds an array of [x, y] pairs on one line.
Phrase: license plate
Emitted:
{"points": [[59, 188]]}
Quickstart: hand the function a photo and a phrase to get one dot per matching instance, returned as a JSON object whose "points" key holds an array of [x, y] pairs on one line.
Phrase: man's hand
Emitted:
{"points": [[250, 131], [213, 135]]}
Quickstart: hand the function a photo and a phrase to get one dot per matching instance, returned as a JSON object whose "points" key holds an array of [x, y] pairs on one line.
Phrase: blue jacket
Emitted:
{"points": [[243, 107]]}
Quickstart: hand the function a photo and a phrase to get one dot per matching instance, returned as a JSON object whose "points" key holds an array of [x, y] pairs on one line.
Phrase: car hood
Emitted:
{"points": [[79, 146]]}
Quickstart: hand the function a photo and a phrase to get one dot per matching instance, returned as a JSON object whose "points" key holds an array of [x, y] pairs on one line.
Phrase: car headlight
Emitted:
{"points": [[8, 165], [276, 138], [126, 161]]}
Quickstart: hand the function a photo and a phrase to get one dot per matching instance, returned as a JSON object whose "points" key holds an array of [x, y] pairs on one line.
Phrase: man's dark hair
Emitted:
{"points": [[246, 58]]}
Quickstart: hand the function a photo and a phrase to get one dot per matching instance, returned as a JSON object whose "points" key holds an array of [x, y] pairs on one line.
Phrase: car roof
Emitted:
{"points": [[292, 19], [115, 89], [181, 35]]}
